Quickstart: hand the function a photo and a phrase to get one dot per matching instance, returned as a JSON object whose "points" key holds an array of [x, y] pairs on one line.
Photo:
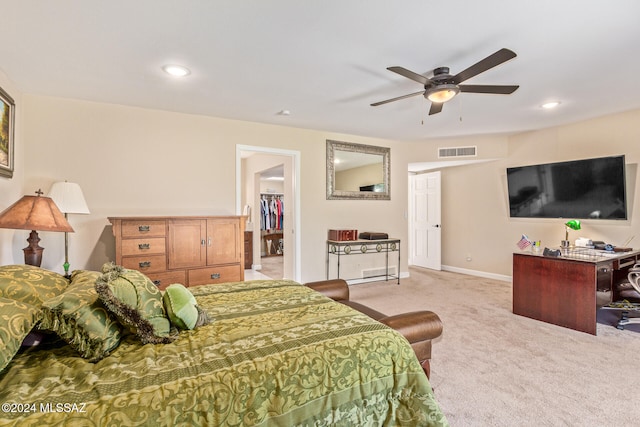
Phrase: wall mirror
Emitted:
{"points": [[357, 171]]}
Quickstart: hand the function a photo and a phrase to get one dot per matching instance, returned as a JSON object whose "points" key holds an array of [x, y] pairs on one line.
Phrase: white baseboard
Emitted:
{"points": [[478, 273]]}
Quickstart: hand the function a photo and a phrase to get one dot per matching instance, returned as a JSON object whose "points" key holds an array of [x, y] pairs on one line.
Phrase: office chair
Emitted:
{"points": [[630, 292]]}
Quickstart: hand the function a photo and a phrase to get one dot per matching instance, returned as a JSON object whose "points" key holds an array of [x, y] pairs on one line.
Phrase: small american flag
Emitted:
{"points": [[524, 242]]}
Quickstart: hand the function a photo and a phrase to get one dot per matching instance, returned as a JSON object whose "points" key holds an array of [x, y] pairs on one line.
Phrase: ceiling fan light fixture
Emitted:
{"points": [[442, 93]]}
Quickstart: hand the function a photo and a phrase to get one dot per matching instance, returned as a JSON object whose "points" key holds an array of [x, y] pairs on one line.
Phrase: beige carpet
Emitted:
{"points": [[493, 368]]}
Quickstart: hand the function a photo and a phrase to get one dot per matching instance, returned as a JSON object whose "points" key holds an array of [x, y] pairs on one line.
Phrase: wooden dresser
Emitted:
{"points": [[188, 249]]}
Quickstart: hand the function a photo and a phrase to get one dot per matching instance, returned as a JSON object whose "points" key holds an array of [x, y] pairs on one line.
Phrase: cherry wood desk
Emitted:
{"points": [[567, 290]]}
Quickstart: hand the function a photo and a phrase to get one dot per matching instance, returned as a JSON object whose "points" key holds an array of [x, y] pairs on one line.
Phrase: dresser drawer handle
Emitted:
{"points": [[215, 276], [144, 228], [144, 246], [157, 282], [144, 264]]}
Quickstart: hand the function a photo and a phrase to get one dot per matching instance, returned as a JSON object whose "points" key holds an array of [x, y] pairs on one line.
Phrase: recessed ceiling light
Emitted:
{"points": [[549, 105], [176, 70]]}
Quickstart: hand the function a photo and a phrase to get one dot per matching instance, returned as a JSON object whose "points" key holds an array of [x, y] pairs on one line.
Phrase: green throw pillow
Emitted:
{"points": [[136, 302], [16, 321], [182, 307], [33, 285], [79, 317]]}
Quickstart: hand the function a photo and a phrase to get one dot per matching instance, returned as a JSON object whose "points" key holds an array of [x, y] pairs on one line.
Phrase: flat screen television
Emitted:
{"points": [[580, 189]]}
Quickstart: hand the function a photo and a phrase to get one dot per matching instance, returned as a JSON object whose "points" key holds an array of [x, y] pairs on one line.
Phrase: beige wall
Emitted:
{"points": [[475, 215], [133, 161], [354, 178], [12, 241]]}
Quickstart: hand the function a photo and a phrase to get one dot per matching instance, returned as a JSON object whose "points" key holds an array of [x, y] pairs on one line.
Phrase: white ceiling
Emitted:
{"points": [[325, 61]]}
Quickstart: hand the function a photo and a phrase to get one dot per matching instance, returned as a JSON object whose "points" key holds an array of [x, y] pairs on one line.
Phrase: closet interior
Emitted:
{"points": [[271, 222]]}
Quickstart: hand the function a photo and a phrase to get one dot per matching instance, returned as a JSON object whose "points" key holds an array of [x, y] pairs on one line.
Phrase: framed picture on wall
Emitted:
{"points": [[7, 114]]}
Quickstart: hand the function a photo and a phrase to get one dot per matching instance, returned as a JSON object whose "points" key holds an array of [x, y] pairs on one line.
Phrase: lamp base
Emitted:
{"points": [[33, 252], [565, 244]]}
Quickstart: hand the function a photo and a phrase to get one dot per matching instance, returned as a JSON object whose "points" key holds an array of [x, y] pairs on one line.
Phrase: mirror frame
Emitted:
{"points": [[334, 194]]}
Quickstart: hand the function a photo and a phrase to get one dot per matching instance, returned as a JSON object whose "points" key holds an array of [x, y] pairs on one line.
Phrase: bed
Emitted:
{"points": [[274, 353]]}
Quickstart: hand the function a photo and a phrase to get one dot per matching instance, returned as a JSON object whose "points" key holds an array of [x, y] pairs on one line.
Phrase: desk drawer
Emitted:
{"points": [[142, 228], [146, 264], [626, 262], [221, 274], [604, 277], [148, 246]]}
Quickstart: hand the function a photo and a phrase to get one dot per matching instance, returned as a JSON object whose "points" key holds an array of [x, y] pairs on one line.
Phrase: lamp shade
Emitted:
{"points": [[574, 224], [69, 198], [34, 213]]}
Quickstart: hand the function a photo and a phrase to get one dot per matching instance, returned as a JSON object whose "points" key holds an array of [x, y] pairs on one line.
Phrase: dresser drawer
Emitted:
{"points": [[142, 228], [221, 274], [162, 280], [149, 246], [146, 264]]}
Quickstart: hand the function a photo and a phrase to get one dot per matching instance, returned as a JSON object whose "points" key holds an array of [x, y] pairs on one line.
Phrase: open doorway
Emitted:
{"points": [[270, 175], [272, 208]]}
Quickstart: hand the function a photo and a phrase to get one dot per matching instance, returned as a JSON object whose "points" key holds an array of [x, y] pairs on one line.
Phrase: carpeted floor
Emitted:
{"points": [[493, 368]]}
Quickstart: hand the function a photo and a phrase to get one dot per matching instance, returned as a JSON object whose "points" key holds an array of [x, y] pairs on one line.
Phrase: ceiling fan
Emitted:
{"points": [[443, 86]]}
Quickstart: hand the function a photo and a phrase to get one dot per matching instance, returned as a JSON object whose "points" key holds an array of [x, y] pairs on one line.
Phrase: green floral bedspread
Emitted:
{"points": [[277, 353]]}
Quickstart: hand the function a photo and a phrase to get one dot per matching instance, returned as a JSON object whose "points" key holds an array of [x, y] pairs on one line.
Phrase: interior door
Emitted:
{"points": [[424, 222]]}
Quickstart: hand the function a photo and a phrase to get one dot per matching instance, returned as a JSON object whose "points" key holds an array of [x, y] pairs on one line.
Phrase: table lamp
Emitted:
{"points": [[573, 224], [69, 198], [35, 213]]}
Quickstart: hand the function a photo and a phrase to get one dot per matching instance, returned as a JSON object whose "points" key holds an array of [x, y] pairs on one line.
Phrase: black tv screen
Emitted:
{"points": [[580, 189]]}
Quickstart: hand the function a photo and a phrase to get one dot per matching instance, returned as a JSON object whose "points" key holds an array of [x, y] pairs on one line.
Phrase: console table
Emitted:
{"points": [[567, 290], [341, 248]]}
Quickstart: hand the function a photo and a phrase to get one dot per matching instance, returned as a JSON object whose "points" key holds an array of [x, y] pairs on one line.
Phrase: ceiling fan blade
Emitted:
{"points": [[436, 107], [375, 104], [497, 89], [411, 75], [497, 58]]}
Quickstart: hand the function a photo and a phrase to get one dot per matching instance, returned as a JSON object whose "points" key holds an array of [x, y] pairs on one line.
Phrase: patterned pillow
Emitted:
{"points": [[136, 302], [16, 321], [182, 309], [79, 317], [33, 285]]}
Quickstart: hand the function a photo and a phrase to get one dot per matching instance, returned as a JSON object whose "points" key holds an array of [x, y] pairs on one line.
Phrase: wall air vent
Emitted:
{"points": [[457, 152]]}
